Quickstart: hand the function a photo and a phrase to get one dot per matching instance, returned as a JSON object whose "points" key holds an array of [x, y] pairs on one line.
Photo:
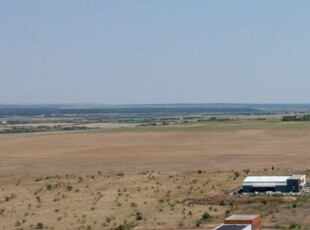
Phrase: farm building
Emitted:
{"points": [[284, 184], [254, 221], [234, 227]]}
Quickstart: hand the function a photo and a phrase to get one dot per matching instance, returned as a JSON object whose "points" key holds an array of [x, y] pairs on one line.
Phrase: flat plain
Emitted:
{"points": [[143, 176]]}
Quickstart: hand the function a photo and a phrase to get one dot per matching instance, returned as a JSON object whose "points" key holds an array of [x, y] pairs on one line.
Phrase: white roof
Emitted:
{"points": [[242, 217], [266, 179]]}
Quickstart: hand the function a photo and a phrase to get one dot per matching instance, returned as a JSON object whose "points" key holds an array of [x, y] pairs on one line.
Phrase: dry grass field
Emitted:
{"points": [[148, 176]]}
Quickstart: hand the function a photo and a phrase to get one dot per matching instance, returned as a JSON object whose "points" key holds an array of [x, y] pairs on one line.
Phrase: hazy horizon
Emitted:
{"points": [[94, 105], [154, 52]]}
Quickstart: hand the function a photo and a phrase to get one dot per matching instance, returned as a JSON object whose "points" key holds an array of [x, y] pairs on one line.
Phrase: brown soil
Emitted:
{"points": [[134, 151]]}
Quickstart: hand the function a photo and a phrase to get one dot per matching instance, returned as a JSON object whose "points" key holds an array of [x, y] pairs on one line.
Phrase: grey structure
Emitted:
{"points": [[234, 227], [285, 184]]}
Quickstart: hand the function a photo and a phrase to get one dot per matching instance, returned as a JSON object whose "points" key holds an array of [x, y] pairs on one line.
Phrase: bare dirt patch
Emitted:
{"points": [[171, 150]]}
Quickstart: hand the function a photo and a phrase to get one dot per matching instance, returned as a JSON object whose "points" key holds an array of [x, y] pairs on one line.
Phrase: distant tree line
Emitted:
{"points": [[219, 119], [296, 118], [42, 129]]}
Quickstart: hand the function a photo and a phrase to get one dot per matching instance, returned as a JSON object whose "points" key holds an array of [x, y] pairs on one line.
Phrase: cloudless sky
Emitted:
{"points": [[137, 51]]}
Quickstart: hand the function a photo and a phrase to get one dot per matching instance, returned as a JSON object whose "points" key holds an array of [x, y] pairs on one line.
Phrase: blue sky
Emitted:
{"points": [[128, 52]]}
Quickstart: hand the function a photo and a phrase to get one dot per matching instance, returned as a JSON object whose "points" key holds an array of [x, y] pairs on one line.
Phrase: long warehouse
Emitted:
{"points": [[285, 184]]}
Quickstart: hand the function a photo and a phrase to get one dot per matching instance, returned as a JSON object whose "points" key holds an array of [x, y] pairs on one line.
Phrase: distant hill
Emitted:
{"points": [[163, 109]]}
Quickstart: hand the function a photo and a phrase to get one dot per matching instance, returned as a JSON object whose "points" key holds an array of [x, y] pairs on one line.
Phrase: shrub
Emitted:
{"points": [[247, 171], [206, 216], [264, 201], [8, 198], [17, 223], [293, 226], [133, 204], [125, 226], [121, 174], [138, 216], [39, 226], [2, 211], [222, 203], [69, 188], [49, 187]]}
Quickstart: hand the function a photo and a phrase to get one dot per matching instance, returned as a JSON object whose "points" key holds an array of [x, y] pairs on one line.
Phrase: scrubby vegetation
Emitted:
{"points": [[148, 198]]}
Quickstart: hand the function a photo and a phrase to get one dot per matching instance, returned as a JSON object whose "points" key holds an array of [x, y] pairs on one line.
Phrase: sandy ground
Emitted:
{"points": [[134, 151]]}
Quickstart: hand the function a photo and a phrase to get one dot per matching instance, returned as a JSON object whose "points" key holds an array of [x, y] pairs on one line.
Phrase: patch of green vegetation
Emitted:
{"points": [[296, 118], [214, 126]]}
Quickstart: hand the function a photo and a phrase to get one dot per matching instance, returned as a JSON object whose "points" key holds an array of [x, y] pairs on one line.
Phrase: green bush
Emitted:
{"points": [[138, 216], [206, 216]]}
